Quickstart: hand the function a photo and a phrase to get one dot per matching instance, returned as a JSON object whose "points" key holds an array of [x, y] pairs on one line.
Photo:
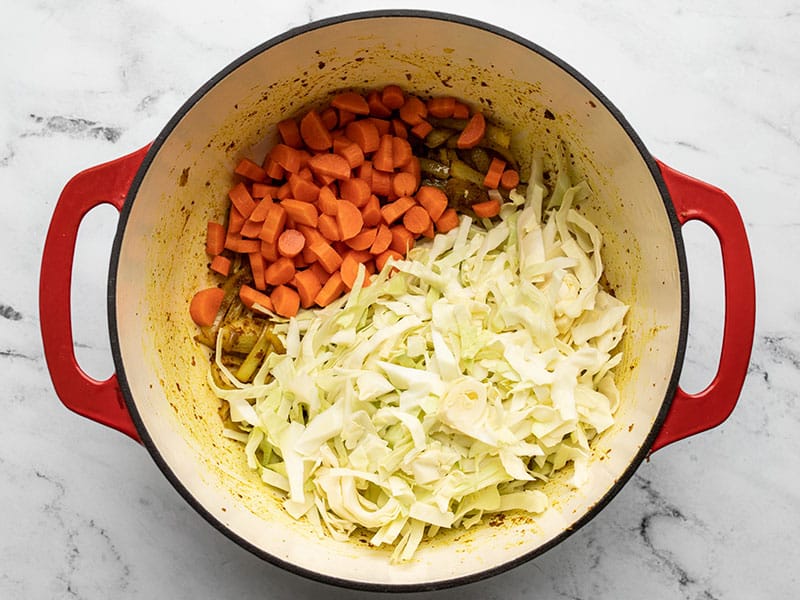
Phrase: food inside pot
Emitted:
{"points": [[408, 336]]}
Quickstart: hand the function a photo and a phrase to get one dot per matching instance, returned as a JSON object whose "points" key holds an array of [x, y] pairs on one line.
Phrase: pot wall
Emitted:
{"points": [[162, 263]]}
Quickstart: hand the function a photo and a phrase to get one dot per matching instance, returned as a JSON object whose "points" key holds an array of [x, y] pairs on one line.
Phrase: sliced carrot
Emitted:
{"points": [[460, 111], [303, 189], [221, 264], [290, 133], [308, 286], [364, 239], [237, 244], [473, 132], [355, 190], [382, 125], [414, 168], [509, 180], [364, 133], [269, 250], [429, 232], [383, 238], [394, 210], [257, 269], [383, 159], [402, 239], [361, 256], [285, 300], [311, 234], [302, 213], [416, 219], [330, 165], [279, 272], [327, 202], [376, 106], [205, 305], [494, 174], [392, 97], [319, 272], [332, 289], [251, 297], [242, 199], [413, 111], [251, 229], [442, 107], [314, 133], [326, 255], [299, 263], [345, 117], [215, 238], [383, 257], [329, 118], [329, 227], [352, 101], [371, 211], [399, 129], [404, 184], [401, 152], [351, 152], [349, 219], [365, 172], [488, 209], [433, 200], [235, 221], [260, 211], [273, 224], [287, 157], [422, 129], [349, 271], [381, 183], [283, 192], [273, 169], [291, 243], [261, 190], [247, 168]]}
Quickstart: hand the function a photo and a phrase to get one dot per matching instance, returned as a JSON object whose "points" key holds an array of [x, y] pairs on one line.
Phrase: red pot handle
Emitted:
{"points": [[100, 401], [693, 413]]}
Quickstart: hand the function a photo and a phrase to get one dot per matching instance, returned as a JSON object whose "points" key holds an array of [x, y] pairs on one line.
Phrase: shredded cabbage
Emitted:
{"points": [[450, 390]]}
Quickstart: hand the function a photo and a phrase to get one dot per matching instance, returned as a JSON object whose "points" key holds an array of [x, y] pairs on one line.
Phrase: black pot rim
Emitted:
{"points": [[120, 366]]}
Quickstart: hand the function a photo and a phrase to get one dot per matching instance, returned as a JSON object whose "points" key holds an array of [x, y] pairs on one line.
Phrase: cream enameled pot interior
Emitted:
{"points": [[162, 262]]}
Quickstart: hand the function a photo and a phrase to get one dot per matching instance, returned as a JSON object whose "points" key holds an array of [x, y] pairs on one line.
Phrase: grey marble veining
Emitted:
{"points": [[712, 88]]}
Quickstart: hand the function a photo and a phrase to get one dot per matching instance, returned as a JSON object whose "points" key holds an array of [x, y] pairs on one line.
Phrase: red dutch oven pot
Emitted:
{"points": [[167, 191]]}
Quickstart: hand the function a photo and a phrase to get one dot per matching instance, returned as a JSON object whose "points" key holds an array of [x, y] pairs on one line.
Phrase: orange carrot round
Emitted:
{"points": [[205, 305], [356, 191], [249, 297], [291, 243], [509, 180], [383, 238], [448, 221], [413, 111], [215, 238], [364, 133], [392, 97], [351, 101], [416, 219], [488, 209], [383, 159], [364, 239], [314, 133], [280, 272], [349, 219], [401, 152], [383, 257], [433, 200], [285, 300], [473, 132], [404, 184], [290, 133]]}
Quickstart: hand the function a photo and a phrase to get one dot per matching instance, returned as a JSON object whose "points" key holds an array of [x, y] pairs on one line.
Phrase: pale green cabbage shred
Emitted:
{"points": [[450, 390]]}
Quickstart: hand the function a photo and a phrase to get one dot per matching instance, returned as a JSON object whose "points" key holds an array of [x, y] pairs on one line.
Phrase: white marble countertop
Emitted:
{"points": [[712, 88]]}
